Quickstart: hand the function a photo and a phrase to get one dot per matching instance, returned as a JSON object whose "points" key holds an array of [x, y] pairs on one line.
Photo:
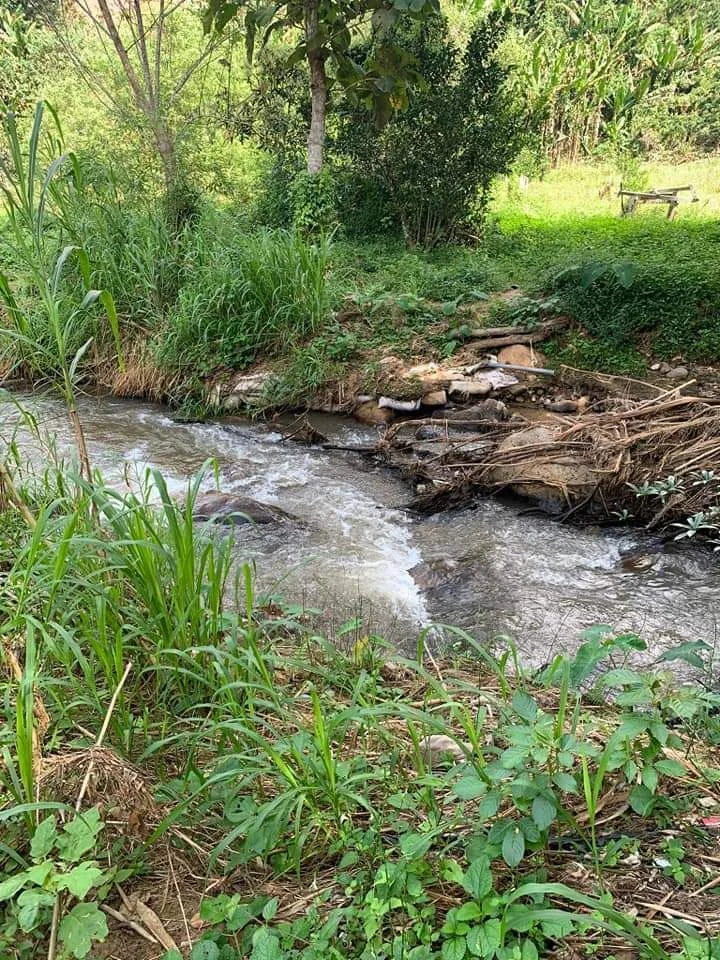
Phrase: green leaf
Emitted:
{"points": [[513, 757], [591, 272], [43, 838], [633, 725], [529, 950], [689, 652], [489, 806], [478, 879], [670, 768], [485, 940], [525, 706], [470, 787], [415, 845], [626, 271], [650, 778], [40, 872], [205, 950], [81, 927], [9, 887], [79, 835], [641, 800], [468, 912], [565, 781], [544, 812], [513, 847], [30, 903], [659, 731], [266, 946], [270, 909], [452, 871], [454, 949], [80, 879]]}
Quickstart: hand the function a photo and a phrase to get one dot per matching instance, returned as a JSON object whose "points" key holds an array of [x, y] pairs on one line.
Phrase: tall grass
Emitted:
{"points": [[245, 296], [50, 328]]}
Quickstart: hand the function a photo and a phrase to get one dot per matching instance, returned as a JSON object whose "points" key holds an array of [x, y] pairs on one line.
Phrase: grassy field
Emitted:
{"points": [[534, 240], [233, 293]]}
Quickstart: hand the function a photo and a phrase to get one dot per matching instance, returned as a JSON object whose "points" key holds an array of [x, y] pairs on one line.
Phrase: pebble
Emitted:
{"points": [[678, 373], [428, 432]]}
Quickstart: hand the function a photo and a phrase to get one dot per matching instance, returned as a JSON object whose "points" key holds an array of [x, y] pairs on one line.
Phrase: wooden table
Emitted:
{"points": [[629, 199]]}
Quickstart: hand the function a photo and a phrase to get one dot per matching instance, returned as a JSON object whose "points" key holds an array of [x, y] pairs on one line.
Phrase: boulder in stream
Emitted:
{"points": [[533, 469], [467, 418], [234, 508]]}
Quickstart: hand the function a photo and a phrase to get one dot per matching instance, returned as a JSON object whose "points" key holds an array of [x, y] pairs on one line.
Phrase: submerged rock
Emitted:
{"points": [[467, 418], [539, 468], [233, 508], [372, 413]]}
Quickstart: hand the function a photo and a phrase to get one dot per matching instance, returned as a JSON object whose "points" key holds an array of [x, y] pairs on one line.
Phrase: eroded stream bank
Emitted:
{"points": [[355, 551]]}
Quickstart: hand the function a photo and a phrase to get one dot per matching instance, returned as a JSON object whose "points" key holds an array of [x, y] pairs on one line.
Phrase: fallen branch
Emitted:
{"points": [[507, 336]]}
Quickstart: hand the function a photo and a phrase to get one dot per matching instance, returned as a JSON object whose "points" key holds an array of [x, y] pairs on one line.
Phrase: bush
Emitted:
{"points": [[437, 160], [672, 302], [243, 296], [313, 202], [24, 46]]}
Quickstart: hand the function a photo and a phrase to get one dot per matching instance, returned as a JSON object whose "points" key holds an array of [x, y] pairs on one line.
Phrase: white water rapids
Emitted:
{"points": [[356, 552]]}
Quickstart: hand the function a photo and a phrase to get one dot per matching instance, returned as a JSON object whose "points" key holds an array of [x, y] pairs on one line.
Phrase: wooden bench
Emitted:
{"points": [[629, 199]]}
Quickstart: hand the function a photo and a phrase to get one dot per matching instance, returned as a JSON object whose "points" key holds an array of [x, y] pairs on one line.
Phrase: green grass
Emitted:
{"points": [[297, 768], [227, 293], [671, 308]]}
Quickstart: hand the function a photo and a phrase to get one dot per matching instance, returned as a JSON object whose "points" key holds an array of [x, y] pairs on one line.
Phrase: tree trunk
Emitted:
{"points": [[166, 149], [318, 89]]}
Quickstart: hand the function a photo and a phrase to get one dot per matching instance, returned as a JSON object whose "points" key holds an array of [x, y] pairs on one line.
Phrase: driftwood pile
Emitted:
{"points": [[582, 465]]}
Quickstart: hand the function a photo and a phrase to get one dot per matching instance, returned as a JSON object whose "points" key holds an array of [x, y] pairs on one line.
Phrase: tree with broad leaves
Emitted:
{"points": [[326, 30]]}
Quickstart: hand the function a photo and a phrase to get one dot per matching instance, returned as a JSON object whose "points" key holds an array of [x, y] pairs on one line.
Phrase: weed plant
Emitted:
{"points": [[277, 754], [245, 296]]}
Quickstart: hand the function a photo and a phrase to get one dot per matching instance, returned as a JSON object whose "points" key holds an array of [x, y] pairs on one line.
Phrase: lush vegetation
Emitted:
{"points": [[311, 187], [356, 804], [186, 186]]}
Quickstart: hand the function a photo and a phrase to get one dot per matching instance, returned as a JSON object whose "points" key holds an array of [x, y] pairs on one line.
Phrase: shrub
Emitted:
{"points": [[243, 296], [437, 160], [313, 202]]}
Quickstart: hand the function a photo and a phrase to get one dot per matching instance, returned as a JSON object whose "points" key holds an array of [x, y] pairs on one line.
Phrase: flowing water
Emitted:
{"points": [[354, 551]]}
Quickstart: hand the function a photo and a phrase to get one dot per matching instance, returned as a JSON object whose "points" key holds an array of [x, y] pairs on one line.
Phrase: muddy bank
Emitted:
{"points": [[496, 417]]}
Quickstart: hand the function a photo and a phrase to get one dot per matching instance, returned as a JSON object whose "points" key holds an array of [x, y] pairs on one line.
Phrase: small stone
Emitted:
{"points": [[372, 413], [405, 406], [436, 745], [421, 488], [665, 368], [517, 389], [485, 410], [428, 432], [678, 373], [520, 355], [436, 398], [471, 388], [655, 366], [562, 406]]}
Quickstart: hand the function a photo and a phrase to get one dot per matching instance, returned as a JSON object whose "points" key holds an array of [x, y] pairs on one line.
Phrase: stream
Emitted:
{"points": [[354, 551]]}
